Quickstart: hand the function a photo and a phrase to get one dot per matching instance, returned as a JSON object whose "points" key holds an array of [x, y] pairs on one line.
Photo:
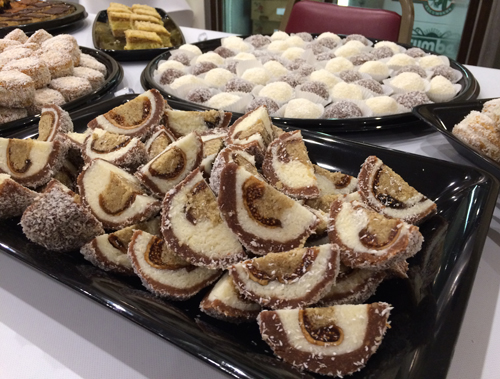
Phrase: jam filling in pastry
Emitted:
{"points": [[291, 279], [193, 227], [264, 219], [334, 341], [163, 272], [386, 192]]}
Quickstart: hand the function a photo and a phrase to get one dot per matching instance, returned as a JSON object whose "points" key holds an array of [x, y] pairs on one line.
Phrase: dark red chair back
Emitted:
{"points": [[317, 17]]}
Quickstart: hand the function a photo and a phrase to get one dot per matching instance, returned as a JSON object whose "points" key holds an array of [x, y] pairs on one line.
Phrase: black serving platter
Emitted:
{"points": [[428, 307], [470, 90], [114, 77], [444, 117], [103, 38], [76, 16]]}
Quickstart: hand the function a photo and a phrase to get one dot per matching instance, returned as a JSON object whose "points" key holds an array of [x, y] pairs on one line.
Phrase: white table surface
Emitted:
{"points": [[49, 331]]}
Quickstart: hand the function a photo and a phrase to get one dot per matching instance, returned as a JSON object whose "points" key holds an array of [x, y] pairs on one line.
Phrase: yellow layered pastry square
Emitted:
{"points": [[163, 33], [119, 22], [138, 39], [139, 17], [117, 7], [147, 12]]}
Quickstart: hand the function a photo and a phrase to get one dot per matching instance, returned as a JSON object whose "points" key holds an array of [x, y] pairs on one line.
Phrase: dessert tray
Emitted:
{"points": [[469, 91], [444, 116], [113, 78], [78, 14], [103, 39], [428, 307]]}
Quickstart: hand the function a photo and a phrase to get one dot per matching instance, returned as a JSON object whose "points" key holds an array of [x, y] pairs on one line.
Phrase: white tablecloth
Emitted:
{"points": [[48, 331]]}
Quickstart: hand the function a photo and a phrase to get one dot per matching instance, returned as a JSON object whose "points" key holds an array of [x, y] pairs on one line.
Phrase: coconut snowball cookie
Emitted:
{"points": [[163, 272], [333, 341], [193, 228], [290, 279], [58, 220]]}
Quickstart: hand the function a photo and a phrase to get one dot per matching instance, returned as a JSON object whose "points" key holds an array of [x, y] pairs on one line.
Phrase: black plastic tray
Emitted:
{"points": [[113, 78], [428, 308], [78, 15], [136, 55], [470, 90]]}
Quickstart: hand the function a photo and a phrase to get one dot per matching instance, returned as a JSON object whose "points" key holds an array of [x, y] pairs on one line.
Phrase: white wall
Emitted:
{"points": [[198, 7]]}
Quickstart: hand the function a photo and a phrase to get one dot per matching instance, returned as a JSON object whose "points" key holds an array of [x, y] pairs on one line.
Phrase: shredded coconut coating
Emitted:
{"points": [[199, 95], [95, 78], [14, 198], [89, 61], [412, 99], [17, 90], [11, 114], [34, 67], [270, 104], [342, 109], [71, 87]]}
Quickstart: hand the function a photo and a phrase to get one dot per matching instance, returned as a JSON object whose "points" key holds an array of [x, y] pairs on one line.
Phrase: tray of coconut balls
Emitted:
{"points": [[243, 239], [327, 83], [45, 69]]}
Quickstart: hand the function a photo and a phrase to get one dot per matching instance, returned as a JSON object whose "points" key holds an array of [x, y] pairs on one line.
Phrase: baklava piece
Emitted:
{"points": [[386, 192], [114, 196], [30, 162], [264, 219], [58, 221], [225, 303], [368, 239], [164, 273], [135, 118], [172, 165], [288, 168], [139, 40], [160, 30], [334, 341], [121, 150], [14, 198], [193, 228], [119, 21], [109, 251], [291, 279], [158, 141], [53, 120], [184, 122]]}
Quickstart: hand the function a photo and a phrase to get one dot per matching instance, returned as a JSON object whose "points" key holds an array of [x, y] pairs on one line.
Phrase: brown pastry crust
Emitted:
{"points": [[53, 120]]}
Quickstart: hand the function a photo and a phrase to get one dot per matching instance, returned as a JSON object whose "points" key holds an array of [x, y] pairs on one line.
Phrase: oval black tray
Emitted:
{"points": [[113, 78], [469, 91]]}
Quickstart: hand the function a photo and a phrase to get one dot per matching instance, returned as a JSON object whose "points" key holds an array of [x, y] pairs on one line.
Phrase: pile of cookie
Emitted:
{"points": [[183, 200]]}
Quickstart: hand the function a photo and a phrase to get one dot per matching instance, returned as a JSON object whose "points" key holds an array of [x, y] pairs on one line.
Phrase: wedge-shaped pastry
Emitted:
{"points": [[135, 118], [109, 251], [67, 174], [193, 228], [53, 120], [123, 151], [172, 165], [213, 142], [353, 286], [264, 219], [30, 162], [184, 122], [58, 220], [334, 341], [225, 303], [236, 154], [75, 141], [288, 168], [158, 141], [369, 239], [164, 273], [254, 131], [114, 196], [292, 279], [386, 192], [14, 198]]}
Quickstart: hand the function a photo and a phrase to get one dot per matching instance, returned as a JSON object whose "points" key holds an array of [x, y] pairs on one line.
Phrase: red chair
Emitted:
{"points": [[318, 17]]}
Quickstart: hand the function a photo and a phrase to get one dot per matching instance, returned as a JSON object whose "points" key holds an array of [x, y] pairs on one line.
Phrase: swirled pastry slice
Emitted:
{"points": [[53, 120], [291, 279], [30, 162], [172, 165], [184, 122], [109, 251], [121, 150], [213, 142], [369, 239], [193, 228], [58, 221], [135, 118], [264, 219], [158, 141], [114, 196], [288, 168], [386, 192], [225, 303], [14, 198], [253, 131], [164, 273], [334, 341], [353, 286]]}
